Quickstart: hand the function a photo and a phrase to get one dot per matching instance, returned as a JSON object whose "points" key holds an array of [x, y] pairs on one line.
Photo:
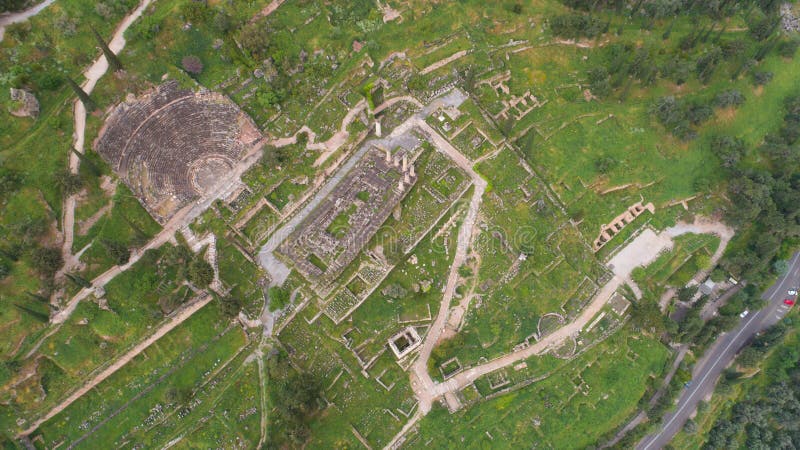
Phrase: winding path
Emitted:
{"points": [[421, 381], [641, 251], [184, 313], [92, 75], [21, 16]]}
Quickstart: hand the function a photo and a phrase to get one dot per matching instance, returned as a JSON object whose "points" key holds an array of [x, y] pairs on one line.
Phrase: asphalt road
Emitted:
{"points": [[721, 354]]}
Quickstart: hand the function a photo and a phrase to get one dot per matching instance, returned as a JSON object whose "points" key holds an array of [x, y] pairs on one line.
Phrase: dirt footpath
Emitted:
{"points": [[171, 323]]}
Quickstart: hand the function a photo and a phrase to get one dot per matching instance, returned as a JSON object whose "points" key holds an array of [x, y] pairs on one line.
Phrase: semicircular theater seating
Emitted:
{"points": [[158, 143]]}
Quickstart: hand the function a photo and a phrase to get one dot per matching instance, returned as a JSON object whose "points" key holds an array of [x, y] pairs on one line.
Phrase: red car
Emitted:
{"points": [[788, 302]]}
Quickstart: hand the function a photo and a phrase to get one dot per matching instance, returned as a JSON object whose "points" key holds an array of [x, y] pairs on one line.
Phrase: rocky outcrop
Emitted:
{"points": [[24, 104]]}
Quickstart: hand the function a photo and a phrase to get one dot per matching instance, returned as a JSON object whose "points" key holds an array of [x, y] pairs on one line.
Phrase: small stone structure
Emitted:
{"points": [[619, 304], [404, 342], [173, 145], [615, 226], [707, 287], [28, 105]]}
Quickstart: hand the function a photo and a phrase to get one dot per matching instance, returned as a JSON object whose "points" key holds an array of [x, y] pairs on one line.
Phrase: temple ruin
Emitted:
{"points": [[336, 230]]}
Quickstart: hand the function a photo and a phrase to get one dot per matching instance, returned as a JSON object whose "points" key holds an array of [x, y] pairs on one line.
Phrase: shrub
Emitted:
{"points": [[573, 26], [604, 164], [192, 64], [200, 272], [787, 49], [762, 78], [278, 298], [230, 306], [728, 98]]}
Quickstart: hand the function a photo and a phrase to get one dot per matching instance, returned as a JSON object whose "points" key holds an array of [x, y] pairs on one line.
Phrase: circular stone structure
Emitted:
{"points": [[173, 145], [203, 173], [549, 323]]}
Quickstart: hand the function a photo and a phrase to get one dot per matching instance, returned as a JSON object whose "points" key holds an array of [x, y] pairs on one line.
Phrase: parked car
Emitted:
{"points": [[788, 302], [793, 291], [744, 314]]}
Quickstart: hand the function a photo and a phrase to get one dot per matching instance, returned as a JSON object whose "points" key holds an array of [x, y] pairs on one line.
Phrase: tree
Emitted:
{"points": [[9, 181], [46, 260], [728, 149], [78, 280], [750, 357], [230, 306], [417, 83], [686, 293], [82, 95], [763, 28], [12, 5], [599, 83], [699, 113], [196, 11], [761, 78], [467, 76], [780, 267], [200, 272], [646, 315], [296, 398], [302, 139], [223, 22], [5, 268], [269, 96], [192, 64], [604, 164], [707, 64], [573, 26], [112, 59], [87, 163], [69, 182], [118, 251], [255, 38]]}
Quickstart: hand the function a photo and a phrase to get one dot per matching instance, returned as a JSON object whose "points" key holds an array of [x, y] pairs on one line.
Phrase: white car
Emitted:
{"points": [[792, 291], [744, 314]]}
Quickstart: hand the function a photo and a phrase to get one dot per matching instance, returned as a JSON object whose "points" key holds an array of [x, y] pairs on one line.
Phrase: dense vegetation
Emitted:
{"points": [[766, 194], [765, 415]]}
